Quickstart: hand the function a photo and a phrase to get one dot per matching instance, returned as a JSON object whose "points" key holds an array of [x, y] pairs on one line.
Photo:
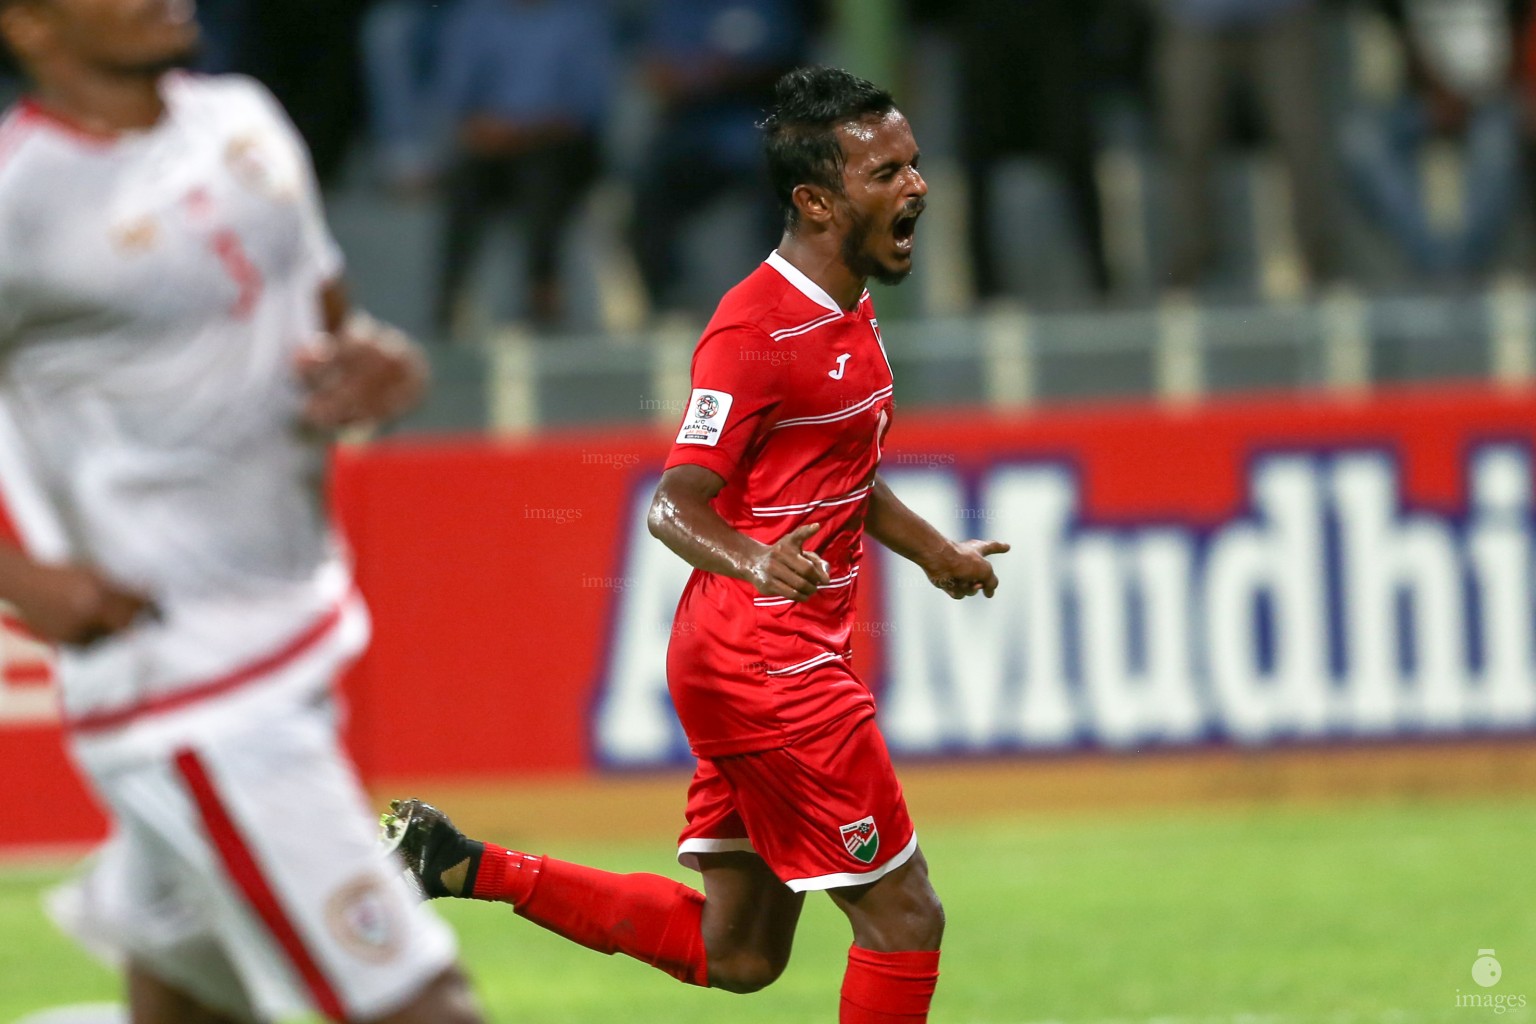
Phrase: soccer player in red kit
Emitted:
{"points": [[770, 488]]}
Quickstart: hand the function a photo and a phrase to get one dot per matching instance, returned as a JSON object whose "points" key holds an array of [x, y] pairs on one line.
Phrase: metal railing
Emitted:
{"points": [[1010, 357]]}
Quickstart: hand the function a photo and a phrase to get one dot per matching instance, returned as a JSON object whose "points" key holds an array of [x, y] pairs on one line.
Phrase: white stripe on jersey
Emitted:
{"points": [[837, 584], [809, 663], [789, 510], [794, 332], [833, 417], [804, 285]]}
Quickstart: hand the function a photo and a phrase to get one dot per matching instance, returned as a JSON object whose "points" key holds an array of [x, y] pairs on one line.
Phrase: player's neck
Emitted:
{"points": [[826, 269], [102, 104]]}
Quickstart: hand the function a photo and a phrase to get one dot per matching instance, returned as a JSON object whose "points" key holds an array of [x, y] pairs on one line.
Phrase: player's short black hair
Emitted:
{"points": [[800, 133]]}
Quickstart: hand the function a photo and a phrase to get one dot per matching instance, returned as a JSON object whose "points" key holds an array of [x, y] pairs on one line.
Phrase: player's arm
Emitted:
{"points": [[959, 568], [361, 370], [65, 604], [734, 400], [682, 518]]}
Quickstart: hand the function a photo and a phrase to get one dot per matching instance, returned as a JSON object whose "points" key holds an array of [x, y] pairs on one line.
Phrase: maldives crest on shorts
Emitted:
{"points": [[862, 839]]}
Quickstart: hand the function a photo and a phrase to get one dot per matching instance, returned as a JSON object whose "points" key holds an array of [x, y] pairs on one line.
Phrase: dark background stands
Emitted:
{"points": [[1029, 71], [1459, 88], [711, 65], [1206, 50], [526, 85]]}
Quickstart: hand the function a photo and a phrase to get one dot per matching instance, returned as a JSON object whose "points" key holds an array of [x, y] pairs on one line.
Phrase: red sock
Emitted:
{"points": [[653, 919], [888, 988]]}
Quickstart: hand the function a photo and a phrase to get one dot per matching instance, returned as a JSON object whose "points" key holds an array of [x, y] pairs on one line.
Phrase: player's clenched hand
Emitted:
{"points": [[963, 569], [786, 569], [70, 604], [365, 373]]}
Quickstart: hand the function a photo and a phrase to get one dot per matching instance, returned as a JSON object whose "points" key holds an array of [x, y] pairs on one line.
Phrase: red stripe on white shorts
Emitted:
{"points": [[243, 870]]}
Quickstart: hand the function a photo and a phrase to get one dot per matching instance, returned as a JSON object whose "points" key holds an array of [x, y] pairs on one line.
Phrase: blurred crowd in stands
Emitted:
{"points": [[1411, 117]]}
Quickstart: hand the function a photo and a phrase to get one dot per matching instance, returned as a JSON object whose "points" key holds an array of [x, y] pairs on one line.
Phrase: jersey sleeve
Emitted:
{"points": [[737, 389], [12, 260], [28, 520], [10, 303], [320, 247]]}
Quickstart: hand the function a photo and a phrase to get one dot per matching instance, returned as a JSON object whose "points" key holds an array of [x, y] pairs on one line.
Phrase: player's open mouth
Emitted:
{"points": [[904, 231]]}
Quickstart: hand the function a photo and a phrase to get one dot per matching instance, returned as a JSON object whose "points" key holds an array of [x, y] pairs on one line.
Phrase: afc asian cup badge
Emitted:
{"points": [[708, 407]]}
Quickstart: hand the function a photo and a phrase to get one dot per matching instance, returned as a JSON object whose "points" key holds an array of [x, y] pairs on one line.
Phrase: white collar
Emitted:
{"points": [[810, 289]]}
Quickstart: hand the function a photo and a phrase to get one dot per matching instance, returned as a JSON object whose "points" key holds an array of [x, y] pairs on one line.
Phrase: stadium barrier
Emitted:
{"points": [[1261, 571]]}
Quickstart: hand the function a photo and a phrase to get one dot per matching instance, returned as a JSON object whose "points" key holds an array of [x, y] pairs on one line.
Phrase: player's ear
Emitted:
{"points": [[814, 203]]}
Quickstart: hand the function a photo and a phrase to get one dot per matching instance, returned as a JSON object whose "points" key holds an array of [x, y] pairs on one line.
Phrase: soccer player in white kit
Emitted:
{"points": [[175, 353]]}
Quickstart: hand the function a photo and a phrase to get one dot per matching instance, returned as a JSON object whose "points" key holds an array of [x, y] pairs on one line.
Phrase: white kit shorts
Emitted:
{"points": [[243, 867]]}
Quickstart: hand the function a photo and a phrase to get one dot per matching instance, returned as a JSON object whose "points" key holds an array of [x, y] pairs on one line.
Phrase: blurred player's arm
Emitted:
{"points": [[361, 370], [682, 518], [959, 568], [66, 604]]}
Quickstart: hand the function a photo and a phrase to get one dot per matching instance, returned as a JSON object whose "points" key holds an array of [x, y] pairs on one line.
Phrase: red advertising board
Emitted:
{"points": [[1264, 570]]}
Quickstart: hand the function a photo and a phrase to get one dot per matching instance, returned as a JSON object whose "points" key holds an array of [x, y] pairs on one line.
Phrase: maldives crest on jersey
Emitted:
{"points": [[707, 412], [862, 839]]}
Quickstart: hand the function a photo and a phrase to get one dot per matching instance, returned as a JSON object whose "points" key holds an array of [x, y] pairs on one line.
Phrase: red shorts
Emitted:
{"points": [[824, 812]]}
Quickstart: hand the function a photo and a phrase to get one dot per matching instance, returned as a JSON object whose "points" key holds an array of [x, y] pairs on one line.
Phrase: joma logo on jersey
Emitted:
{"points": [[862, 839]]}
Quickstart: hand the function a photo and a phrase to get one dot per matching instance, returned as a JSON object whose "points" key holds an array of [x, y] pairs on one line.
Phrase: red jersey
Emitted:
{"points": [[791, 402]]}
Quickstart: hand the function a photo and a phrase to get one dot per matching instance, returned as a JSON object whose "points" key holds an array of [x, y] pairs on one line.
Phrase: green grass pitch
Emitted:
{"points": [[1334, 914]]}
